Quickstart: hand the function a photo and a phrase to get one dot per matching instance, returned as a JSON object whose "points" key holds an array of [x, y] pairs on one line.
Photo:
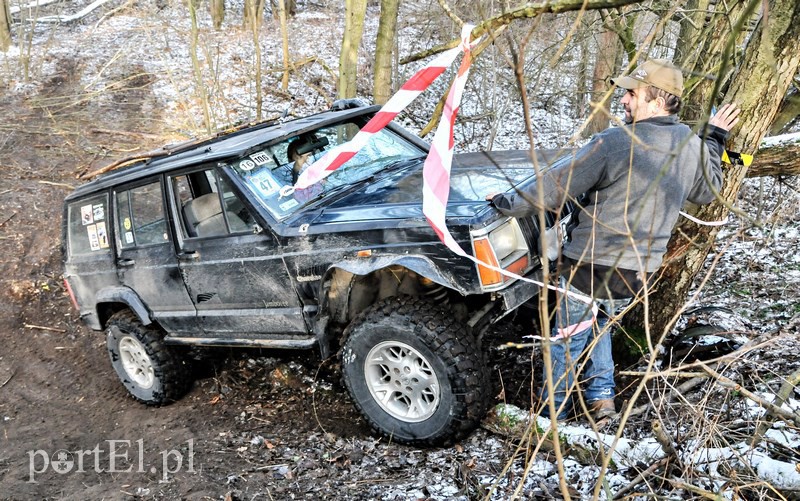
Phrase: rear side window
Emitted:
{"points": [[140, 216], [88, 229]]}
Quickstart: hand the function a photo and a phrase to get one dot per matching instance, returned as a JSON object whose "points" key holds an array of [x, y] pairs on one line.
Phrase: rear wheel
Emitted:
{"points": [[153, 373], [414, 372]]}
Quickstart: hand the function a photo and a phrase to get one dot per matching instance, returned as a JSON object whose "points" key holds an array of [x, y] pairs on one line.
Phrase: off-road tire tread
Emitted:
{"points": [[467, 370], [171, 366]]}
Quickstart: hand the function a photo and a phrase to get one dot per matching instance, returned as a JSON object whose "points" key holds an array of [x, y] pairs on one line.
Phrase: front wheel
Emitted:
{"points": [[414, 372], [152, 372]]}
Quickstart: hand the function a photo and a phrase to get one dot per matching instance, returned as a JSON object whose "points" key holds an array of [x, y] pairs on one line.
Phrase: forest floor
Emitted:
{"points": [[279, 425]]}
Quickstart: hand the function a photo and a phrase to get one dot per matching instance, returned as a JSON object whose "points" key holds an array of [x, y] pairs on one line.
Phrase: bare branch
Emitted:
{"points": [[527, 11]]}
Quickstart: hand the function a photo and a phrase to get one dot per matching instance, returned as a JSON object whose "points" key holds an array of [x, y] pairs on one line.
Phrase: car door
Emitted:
{"points": [[146, 259], [234, 271]]}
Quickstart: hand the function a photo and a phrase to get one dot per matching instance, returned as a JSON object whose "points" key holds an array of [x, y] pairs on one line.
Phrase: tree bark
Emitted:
{"points": [[217, 11], [606, 65], [777, 160], [355, 10], [789, 113], [384, 45], [5, 26], [253, 13], [281, 7], [202, 93], [771, 59], [707, 58]]}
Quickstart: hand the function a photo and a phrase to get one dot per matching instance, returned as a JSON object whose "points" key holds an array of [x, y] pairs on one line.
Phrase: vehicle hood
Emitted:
{"points": [[398, 195]]}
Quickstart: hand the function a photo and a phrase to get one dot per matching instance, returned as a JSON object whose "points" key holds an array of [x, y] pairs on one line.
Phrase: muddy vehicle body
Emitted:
{"points": [[196, 246]]}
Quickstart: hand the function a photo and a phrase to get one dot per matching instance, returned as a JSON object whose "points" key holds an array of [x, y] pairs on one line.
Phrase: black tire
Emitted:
{"points": [[153, 373], [414, 372]]}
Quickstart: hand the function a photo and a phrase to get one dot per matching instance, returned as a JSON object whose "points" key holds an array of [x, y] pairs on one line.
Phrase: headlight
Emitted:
{"points": [[501, 245], [506, 240]]}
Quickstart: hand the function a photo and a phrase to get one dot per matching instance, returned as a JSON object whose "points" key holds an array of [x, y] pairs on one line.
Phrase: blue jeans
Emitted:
{"points": [[586, 353]]}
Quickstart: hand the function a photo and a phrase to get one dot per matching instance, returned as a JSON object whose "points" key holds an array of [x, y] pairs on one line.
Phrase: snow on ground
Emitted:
{"points": [[757, 273]]}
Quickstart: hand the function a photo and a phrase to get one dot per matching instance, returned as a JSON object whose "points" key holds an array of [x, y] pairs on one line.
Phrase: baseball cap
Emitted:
{"points": [[659, 73]]}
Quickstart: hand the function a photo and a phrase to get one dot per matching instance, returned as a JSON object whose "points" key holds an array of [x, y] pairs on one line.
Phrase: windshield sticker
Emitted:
{"points": [[247, 165], [126, 223], [265, 183], [128, 237], [102, 235], [289, 204], [86, 215], [260, 158], [94, 243], [99, 212]]}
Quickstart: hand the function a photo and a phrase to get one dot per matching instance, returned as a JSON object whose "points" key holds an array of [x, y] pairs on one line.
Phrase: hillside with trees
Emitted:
{"points": [[709, 359]]}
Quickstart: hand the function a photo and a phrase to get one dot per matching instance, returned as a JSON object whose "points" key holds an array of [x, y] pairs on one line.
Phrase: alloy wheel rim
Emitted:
{"points": [[402, 381], [136, 362]]}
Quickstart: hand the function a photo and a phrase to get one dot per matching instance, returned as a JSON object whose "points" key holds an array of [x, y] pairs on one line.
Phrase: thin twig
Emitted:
{"points": [[41, 327], [641, 478], [9, 379], [773, 409], [63, 185], [8, 219]]}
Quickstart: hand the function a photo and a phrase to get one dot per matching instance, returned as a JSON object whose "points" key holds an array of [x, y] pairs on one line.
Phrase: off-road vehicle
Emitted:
{"points": [[194, 245]]}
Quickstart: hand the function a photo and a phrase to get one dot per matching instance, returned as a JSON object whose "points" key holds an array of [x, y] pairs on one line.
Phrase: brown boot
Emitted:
{"points": [[603, 409]]}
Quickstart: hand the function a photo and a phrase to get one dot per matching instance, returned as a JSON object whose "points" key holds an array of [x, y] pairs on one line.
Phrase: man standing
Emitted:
{"points": [[636, 179]]}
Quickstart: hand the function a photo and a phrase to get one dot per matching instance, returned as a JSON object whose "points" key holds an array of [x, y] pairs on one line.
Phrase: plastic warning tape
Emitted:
{"points": [[410, 90]]}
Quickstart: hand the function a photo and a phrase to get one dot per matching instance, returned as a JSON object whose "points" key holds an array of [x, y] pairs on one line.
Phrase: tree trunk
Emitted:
{"points": [[253, 13], [384, 45], [285, 38], [355, 10], [217, 10], [708, 67], [5, 26], [202, 93], [606, 65], [695, 18], [778, 160], [771, 59], [788, 114], [582, 90]]}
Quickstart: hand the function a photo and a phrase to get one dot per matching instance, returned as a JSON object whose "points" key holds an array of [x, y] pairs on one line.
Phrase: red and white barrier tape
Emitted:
{"points": [[436, 171], [410, 90]]}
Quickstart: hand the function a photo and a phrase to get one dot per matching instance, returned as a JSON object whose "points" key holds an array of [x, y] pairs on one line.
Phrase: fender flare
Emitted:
{"points": [[126, 296], [421, 265]]}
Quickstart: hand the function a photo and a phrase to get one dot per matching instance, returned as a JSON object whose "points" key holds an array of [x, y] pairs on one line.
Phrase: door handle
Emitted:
{"points": [[188, 255], [126, 262]]}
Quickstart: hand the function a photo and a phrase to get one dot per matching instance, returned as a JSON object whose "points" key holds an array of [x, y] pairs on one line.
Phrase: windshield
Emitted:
{"points": [[277, 165]]}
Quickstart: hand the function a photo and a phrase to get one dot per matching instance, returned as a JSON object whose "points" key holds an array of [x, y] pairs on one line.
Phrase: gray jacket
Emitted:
{"points": [[637, 178]]}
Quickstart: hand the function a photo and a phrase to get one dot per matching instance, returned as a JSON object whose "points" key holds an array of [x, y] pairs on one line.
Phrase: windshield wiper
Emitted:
{"points": [[401, 164]]}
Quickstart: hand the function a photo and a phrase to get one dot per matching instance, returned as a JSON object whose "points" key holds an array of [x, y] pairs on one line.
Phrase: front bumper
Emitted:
{"points": [[520, 292]]}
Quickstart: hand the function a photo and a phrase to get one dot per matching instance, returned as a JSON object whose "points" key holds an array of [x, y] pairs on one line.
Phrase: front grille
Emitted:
{"points": [[530, 228]]}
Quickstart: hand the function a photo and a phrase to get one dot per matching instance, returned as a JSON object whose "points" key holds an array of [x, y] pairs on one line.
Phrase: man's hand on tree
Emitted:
{"points": [[726, 117]]}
